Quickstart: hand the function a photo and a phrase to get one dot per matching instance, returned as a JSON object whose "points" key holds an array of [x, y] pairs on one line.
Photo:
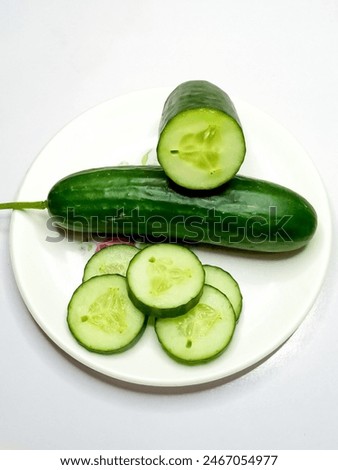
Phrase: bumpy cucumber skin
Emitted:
{"points": [[196, 94], [142, 203]]}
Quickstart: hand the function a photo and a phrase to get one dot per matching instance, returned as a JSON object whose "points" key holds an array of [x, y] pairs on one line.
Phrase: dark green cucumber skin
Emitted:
{"points": [[141, 203], [196, 94]]}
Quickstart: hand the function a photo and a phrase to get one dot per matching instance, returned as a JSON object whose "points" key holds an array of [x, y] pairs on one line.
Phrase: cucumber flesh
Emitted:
{"points": [[201, 334], [113, 259], [101, 316], [201, 149], [165, 280], [223, 281], [201, 143]]}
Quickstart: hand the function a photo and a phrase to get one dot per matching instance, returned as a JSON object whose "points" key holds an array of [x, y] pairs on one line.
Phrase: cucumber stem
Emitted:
{"points": [[24, 205]]}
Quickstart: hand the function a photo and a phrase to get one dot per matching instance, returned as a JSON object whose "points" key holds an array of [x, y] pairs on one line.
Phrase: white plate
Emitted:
{"points": [[278, 290]]}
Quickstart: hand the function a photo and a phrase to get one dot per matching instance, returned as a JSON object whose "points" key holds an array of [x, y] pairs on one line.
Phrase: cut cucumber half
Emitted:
{"points": [[113, 259], [201, 334], [201, 143], [165, 280], [223, 281], [101, 316]]}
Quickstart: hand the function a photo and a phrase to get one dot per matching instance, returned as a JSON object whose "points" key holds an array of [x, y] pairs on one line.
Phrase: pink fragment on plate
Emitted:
{"points": [[113, 241]]}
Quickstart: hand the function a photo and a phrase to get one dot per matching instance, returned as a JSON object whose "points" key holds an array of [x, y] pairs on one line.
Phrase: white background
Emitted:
{"points": [[61, 57]]}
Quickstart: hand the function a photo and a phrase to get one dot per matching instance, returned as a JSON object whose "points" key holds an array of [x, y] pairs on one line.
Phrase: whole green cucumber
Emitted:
{"points": [[201, 144], [142, 203]]}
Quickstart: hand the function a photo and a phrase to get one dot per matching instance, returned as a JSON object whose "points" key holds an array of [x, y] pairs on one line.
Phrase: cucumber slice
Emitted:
{"points": [[113, 259], [223, 281], [201, 143], [201, 334], [101, 316], [165, 280]]}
